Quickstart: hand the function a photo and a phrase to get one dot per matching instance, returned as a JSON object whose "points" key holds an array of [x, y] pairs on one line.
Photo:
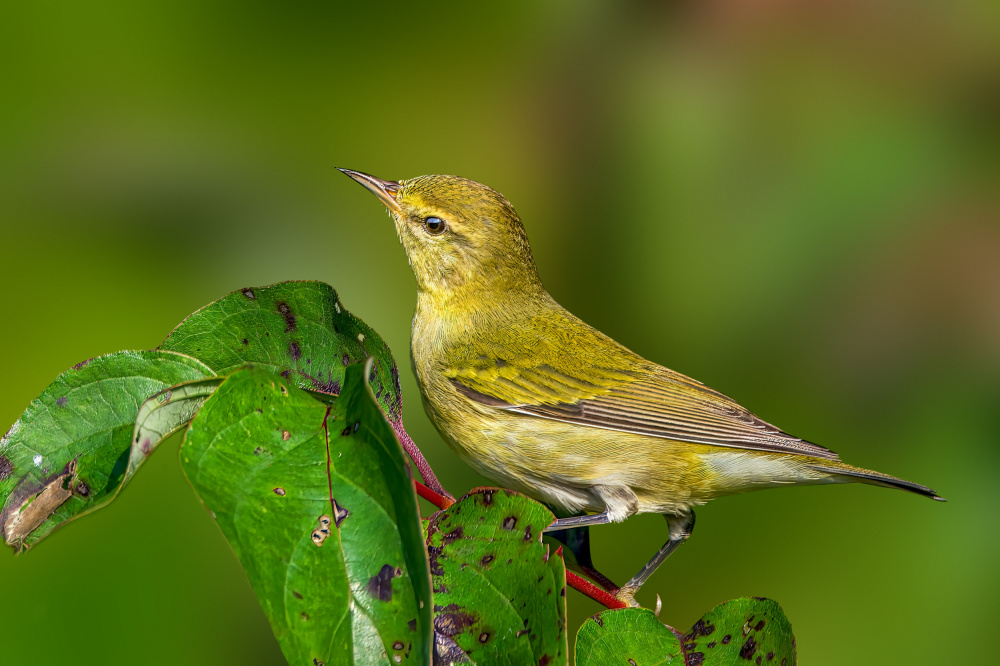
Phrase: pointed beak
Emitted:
{"points": [[385, 190]]}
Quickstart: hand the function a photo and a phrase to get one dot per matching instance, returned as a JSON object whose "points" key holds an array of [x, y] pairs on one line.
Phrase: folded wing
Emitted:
{"points": [[615, 389]]}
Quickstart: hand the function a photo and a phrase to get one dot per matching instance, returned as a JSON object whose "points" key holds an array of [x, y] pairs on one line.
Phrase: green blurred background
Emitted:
{"points": [[794, 202]]}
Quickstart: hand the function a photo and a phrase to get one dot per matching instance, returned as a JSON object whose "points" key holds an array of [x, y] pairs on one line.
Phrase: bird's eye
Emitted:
{"points": [[435, 225]]}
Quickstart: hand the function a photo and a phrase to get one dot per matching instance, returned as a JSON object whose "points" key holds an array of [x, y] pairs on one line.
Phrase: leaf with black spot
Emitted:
{"points": [[737, 632], [757, 627], [498, 590], [85, 418], [337, 559], [299, 327], [615, 636]]}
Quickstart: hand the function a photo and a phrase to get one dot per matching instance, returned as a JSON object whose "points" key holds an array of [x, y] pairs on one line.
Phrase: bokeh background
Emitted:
{"points": [[794, 202]]}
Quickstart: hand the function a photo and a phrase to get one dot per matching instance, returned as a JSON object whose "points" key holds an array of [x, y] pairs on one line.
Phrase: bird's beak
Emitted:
{"points": [[385, 190]]}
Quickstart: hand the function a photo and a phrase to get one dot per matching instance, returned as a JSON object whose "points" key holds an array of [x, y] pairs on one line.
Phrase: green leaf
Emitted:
{"points": [[742, 631], [318, 504], [297, 329], [499, 597], [164, 414], [627, 636], [68, 452]]}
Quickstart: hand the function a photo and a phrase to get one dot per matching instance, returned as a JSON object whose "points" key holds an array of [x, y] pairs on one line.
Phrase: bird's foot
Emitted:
{"points": [[626, 595]]}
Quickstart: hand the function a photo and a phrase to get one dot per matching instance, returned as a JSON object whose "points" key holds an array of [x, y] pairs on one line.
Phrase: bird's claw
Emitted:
{"points": [[626, 595]]}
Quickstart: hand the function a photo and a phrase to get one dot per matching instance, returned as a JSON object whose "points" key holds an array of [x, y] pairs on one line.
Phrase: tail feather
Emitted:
{"points": [[878, 479]]}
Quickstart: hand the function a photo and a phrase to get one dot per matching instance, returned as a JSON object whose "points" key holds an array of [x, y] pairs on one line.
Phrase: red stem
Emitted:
{"points": [[424, 467], [587, 588], [440, 501]]}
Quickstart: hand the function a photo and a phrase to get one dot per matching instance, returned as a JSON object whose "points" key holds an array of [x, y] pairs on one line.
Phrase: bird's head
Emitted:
{"points": [[459, 235]]}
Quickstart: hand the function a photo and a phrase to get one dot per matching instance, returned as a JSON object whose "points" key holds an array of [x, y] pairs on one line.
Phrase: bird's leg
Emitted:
{"points": [[576, 542], [680, 527], [578, 521], [620, 502]]}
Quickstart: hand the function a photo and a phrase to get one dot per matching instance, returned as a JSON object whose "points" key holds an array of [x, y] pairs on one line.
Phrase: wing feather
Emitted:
{"points": [[551, 365], [662, 404]]}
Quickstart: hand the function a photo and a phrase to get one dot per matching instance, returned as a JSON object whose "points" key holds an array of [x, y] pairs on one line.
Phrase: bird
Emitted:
{"points": [[536, 400]]}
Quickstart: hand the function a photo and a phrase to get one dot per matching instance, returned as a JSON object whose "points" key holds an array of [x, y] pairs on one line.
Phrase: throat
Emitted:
{"points": [[477, 306]]}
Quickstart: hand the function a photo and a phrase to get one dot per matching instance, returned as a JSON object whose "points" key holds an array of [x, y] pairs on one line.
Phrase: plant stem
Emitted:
{"points": [[438, 500], [587, 588], [426, 473]]}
